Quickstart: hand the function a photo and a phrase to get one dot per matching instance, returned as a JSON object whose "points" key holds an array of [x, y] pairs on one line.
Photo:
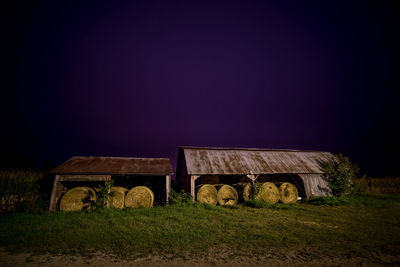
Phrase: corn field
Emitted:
{"points": [[377, 185], [18, 187]]}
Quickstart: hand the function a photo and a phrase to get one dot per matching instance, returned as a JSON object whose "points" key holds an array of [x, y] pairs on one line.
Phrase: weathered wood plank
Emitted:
{"points": [[54, 192], [192, 185], [64, 178], [167, 187], [314, 185]]}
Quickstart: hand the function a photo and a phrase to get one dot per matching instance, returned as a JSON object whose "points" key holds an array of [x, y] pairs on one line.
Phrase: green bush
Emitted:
{"points": [[339, 173], [255, 191], [181, 197], [19, 190], [104, 195]]}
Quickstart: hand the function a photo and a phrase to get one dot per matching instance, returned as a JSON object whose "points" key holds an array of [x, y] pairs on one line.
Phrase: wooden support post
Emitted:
{"points": [[252, 177], [106, 201], [167, 187], [54, 193], [192, 185]]}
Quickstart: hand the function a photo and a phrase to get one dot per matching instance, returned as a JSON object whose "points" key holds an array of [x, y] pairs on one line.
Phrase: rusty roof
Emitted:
{"points": [[231, 161], [115, 165]]}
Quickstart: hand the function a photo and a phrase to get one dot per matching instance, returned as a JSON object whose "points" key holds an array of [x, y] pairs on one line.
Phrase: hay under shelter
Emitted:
{"points": [[153, 173], [214, 165]]}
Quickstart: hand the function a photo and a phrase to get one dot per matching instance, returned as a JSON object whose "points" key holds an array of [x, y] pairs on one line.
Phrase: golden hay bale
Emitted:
{"points": [[139, 196], [288, 193], [78, 198], [207, 194], [227, 195], [247, 191], [118, 200], [269, 193]]}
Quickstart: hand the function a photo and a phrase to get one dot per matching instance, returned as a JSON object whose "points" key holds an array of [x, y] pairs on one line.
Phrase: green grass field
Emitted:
{"points": [[357, 226]]}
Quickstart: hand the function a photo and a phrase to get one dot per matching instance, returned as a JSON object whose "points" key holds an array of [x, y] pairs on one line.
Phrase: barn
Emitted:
{"points": [[215, 165], [154, 173]]}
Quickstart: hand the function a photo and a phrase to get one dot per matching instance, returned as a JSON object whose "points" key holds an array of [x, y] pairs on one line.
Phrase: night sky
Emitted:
{"points": [[107, 78]]}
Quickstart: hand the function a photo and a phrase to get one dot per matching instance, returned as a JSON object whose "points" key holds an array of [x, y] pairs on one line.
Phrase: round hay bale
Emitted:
{"points": [[269, 193], [247, 191], [118, 200], [288, 193], [207, 194], [139, 196], [78, 198], [227, 195]]}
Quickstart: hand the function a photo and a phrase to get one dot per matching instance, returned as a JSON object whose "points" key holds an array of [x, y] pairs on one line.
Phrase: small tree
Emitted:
{"points": [[339, 173], [104, 194]]}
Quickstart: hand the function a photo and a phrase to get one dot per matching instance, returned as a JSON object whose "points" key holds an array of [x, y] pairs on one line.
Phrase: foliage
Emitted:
{"points": [[104, 195], [181, 197], [19, 190], [255, 191], [339, 173], [184, 230], [376, 185]]}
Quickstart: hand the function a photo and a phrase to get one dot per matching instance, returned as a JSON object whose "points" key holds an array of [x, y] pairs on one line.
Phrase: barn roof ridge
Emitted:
{"points": [[251, 149], [113, 157]]}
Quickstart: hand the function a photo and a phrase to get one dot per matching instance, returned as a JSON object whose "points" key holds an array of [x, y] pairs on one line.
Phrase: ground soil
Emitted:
{"points": [[224, 258]]}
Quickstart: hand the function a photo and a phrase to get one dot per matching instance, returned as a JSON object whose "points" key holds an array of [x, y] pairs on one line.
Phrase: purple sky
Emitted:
{"points": [[140, 79]]}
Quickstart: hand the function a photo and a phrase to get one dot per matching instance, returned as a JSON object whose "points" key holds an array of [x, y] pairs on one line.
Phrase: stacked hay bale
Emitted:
{"points": [[269, 193], [288, 193], [118, 199], [207, 193], [78, 198], [245, 191], [139, 196], [82, 198], [227, 195], [230, 195]]}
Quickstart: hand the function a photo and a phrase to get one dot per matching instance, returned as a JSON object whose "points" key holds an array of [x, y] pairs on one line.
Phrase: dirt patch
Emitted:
{"points": [[224, 258]]}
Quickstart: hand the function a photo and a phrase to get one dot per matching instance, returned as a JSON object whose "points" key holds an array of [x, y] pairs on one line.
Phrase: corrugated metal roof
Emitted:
{"points": [[115, 165], [231, 161]]}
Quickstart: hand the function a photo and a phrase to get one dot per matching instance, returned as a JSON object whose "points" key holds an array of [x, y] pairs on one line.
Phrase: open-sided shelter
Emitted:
{"points": [[214, 165], [152, 172]]}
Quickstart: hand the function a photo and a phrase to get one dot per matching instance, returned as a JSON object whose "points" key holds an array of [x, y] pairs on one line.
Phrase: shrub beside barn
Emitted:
{"points": [[133, 178]]}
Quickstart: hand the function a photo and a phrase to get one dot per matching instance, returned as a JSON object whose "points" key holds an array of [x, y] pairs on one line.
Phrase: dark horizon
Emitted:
{"points": [[140, 79]]}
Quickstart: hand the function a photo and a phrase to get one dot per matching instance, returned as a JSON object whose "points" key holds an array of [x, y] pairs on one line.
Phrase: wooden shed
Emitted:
{"points": [[215, 165], [152, 172]]}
